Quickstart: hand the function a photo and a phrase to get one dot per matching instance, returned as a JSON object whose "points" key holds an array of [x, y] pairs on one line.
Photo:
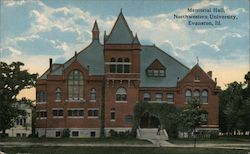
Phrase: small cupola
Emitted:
{"points": [[95, 32]]}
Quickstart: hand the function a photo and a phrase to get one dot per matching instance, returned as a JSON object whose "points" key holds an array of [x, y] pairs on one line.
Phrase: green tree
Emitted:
{"points": [[13, 80], [191, 116]]}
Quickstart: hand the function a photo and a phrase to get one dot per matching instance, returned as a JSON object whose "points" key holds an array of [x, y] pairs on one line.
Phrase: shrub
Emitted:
{"points": [[122, 134], [66, 132]]}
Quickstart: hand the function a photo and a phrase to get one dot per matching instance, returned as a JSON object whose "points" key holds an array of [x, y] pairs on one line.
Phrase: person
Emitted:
{"points": [[159, 129]]}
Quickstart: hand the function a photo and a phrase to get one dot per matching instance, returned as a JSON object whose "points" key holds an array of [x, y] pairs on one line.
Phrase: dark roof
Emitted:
{"points": [[136, 40], [120, 33], [174, 68]]}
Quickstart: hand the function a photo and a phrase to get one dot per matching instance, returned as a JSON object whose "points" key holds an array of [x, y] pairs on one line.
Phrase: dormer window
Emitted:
{"points": [[156, 69]]}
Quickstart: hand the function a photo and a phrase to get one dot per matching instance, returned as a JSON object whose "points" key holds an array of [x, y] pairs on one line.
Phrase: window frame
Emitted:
{"points": [[121, 95], [75, 85]]}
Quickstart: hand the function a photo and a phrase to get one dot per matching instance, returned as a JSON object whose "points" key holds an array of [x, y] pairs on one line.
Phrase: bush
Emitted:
{"points": [[122, 134], [66, 133]]}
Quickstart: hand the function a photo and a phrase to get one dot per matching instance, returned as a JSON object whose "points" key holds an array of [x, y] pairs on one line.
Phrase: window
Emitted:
{"points": [[92, 134], [57, 112], [112, 66], [93, 113], [129, 119], [119, 66], [188, 95], [197, 77], [58, 94], [112, 114], [204, 96], [75, 85], [75, 133], [58, 133], [204, 118], [41, 96], [121, 94], [156, 73], [158, 97], [197, 94], [93, 95], [170, 98], [126, 66], [146, 97], [75, 112], [43, 114]]}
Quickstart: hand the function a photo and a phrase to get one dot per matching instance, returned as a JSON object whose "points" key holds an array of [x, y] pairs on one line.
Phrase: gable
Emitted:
{"points": [[197, 74], [156, 65]]}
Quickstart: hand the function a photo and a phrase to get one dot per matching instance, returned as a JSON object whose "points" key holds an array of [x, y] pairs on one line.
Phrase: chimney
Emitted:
{"points": [[50, 64], [209, 73]]}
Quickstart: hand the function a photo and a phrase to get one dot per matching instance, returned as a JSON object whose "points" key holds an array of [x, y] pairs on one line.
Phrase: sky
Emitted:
{"points": [[32, 31]]}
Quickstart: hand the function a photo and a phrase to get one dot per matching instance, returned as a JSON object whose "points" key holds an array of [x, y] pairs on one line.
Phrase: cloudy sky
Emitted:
{"points": [[32, 31]]}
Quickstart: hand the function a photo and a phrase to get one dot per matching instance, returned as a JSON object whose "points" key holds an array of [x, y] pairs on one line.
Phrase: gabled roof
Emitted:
{"points": [[91, 58], [156, 64], [174, 69], [120, 33], [197, 68]]}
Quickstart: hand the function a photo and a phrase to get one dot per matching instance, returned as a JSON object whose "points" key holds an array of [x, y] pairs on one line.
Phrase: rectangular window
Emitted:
{"points": [[170, 98], [57, 112], [93, 113], [75, 133], [158, 97], [43, 114], [119, 68], [75, 112], [112, 114], [126, 68], [112, 68], [92, 133], [58, 133]]}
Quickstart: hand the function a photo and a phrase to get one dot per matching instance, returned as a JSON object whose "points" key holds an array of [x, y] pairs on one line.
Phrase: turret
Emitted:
{"points": [[95, 32]]}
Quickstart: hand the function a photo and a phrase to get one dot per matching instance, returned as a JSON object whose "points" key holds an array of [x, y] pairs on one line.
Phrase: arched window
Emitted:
{"points": [[188, 95], [93, 95], [204, 96], [75, 85], [121, 94], [41, 96], [126, 66], [119, 66], [197, 93], [146, 97], [112, 67], [58, 94]]}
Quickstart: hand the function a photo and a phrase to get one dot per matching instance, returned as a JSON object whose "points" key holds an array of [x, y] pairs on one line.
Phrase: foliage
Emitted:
{"points": [[66, 133], [165, 112], [13, 80], [234, 108], [123, 134], [191, 116]]}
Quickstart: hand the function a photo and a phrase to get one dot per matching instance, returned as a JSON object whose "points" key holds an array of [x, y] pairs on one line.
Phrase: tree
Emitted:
{"points": [[13, 80], [191, 116]]}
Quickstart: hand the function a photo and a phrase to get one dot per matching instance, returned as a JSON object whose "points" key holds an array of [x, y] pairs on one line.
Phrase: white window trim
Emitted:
{"points": [[57, 100], [93, 117], [92, 100], [121, 102], [41, 102]]}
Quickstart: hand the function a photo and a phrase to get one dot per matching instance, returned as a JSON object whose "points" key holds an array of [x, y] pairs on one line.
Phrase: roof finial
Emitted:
{"points": [[197, 60], [121, 10]]}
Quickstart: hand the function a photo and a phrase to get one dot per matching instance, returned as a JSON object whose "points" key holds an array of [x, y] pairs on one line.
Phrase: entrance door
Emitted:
{"points": [[149, 121]]}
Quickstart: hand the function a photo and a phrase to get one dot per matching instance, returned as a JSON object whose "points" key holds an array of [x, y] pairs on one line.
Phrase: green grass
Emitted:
{"points": [[220, 140], [77, 140], [119, 150]]}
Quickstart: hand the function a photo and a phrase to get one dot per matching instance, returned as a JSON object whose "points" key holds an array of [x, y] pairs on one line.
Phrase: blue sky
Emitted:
{"points": [[32, 31]]}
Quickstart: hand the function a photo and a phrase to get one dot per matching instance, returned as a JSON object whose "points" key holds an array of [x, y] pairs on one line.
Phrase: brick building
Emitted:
{"points": [[111, 78]]}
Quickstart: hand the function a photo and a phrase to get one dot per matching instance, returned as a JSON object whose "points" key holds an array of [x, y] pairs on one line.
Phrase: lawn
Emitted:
{"points": [[77, 140], [220, 140], [119, 150]]}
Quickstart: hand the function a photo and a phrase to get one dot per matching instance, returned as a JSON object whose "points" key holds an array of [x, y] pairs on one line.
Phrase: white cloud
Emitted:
{"points": [[10, 3]]}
